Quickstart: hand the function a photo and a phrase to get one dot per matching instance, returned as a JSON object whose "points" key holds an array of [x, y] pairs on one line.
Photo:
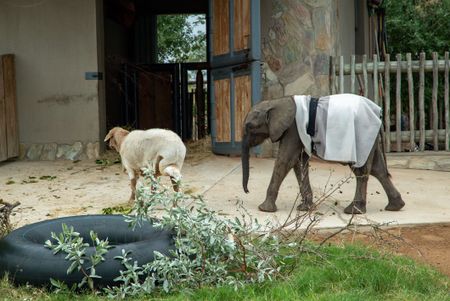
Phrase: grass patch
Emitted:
{"points": [[350, 272]]}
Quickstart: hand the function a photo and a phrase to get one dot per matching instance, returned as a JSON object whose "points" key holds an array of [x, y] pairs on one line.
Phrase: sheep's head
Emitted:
{"points": [[115, 137]]}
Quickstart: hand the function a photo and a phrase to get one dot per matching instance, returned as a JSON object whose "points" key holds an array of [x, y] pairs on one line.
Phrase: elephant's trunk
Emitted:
{"points": [[245, 157]]}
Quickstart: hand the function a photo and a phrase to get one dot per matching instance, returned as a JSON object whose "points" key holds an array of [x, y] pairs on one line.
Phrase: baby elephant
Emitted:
{"points": [[158, 149], [340, 128]]}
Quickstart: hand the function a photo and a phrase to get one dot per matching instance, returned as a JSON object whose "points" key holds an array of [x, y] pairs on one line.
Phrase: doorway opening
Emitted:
{"points": [[156, 65]]}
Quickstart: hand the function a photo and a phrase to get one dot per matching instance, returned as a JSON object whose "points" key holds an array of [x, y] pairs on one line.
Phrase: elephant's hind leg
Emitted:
{"points": [[301, 169], [380, 171], [358, 205]]}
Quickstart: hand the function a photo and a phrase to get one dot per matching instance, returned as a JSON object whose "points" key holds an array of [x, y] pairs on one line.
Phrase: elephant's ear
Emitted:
{"points": [[280, 117]]}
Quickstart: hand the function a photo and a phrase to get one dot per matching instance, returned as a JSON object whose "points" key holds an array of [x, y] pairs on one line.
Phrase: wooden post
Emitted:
{"points": [[446, 102], [398, 104], [434, 101], [422, 101], [352, 74], [3, 143], [200, 104], [9, 135], [387, 101], [333, 75], [366, 81], [411, 101], [375, 79], [341, 74]]}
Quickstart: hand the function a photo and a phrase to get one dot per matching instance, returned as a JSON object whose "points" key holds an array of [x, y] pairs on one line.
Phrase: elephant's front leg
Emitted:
{"points": [[288, 154], [280, 171], [301, 169]]}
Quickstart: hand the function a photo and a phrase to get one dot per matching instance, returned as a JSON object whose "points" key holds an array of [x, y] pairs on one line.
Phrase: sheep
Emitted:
{"points": [[161, 150]]}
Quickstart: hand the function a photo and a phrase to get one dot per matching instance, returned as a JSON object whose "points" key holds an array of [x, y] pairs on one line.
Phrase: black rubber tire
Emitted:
{"points": [[25, 258]]}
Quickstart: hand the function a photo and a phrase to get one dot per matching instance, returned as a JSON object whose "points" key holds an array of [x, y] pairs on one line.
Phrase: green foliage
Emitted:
{"points": [[178, 41], [417, 25], [71, 243], [209, 251], [334, 273]]}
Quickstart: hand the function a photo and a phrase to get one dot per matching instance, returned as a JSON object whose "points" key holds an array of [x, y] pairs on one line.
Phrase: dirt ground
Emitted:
{"points": [[428, 244]]}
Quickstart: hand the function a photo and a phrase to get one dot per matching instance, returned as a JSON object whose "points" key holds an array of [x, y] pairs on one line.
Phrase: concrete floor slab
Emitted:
{"points": [[86, 188]]}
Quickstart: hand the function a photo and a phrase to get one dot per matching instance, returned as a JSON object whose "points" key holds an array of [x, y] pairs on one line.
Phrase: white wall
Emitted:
{"points": [[55, 43]]}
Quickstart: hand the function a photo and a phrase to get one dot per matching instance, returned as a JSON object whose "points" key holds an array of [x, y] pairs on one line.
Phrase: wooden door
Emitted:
{"points": [[9, 138], [234, 55]]}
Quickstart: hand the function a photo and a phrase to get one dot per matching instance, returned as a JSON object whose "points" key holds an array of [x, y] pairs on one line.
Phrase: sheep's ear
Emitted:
{"points": [[109, 136]]}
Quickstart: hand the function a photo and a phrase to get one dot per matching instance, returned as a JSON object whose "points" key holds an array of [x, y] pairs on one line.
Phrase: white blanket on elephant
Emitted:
{"points": [[346, 127]]}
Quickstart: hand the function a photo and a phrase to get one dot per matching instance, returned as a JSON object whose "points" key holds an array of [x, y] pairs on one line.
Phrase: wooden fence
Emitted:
{"points": [[425, 128]]}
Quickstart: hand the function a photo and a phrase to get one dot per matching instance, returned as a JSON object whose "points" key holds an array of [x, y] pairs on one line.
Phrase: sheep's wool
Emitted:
{"points": [[346, 127]]}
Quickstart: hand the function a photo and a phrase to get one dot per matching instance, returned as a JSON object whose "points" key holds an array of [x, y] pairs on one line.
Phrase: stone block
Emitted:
{"points": [[92, 150], [34, 151], [49, 152], [22, 151], [321, 64], [300, 86], [74, 152], [62, 150], [272, 91]]}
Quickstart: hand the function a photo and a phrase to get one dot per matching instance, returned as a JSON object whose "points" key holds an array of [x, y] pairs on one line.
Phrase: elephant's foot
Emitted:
{"points": [[305, 206], [356, 207], [268, 207], [395, 205]]}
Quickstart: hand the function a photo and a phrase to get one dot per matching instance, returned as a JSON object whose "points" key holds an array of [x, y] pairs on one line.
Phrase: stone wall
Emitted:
{"points": [[54, 151], [298, 37]]}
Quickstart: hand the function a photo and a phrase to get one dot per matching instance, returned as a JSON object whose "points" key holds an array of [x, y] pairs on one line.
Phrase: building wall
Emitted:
{"points": [[55, 43]]}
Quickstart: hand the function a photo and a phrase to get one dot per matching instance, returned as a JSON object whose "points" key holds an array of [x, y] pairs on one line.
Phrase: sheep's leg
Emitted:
{"points": [[133, 175]]}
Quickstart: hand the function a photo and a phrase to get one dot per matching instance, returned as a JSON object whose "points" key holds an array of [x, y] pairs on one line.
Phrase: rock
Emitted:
{"points": [[300, 86], [49, 152], [34, 152], [22, 151], [62, 150], [74, 152], [92, 150]]}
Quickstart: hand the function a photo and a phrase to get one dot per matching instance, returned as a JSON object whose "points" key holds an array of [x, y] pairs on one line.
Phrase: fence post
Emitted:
{"points": [[352, 74], [333, 75], [422, 101], [387, 101], [375, 79], [411, 102], [398, 106], [446, 102], [364, 67], [434, 101], [341, 74]]}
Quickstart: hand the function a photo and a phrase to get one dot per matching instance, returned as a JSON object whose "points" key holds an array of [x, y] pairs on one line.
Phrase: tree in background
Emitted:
{"points": [[418, 25], [180, 38]]}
